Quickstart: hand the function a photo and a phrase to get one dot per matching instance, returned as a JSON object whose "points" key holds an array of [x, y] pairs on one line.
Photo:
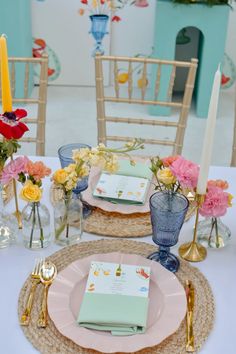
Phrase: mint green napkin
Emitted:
{"points": [[122, 315], [139, 170]]}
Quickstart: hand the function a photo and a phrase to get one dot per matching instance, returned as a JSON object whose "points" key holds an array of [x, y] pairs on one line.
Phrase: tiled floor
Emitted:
{"points": [[71, 117]]}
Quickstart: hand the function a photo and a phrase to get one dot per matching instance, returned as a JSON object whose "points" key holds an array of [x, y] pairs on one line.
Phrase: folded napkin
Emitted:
{"points": [[115, 299], [122, 315], [141, 169]]}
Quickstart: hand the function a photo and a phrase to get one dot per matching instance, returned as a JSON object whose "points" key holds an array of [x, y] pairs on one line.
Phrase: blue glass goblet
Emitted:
{"points": [[65, 155], [168, 212], [98, 31]]}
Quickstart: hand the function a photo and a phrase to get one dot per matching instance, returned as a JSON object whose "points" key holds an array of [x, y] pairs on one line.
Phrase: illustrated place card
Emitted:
{"points": [[118, 279]]}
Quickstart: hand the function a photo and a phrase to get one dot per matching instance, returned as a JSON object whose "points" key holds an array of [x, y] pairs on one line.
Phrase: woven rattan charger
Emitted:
{"points": [[50, 341], [113, 224]]}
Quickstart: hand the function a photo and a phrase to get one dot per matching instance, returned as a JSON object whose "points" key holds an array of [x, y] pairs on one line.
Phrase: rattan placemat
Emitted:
{"points": [[50, 341], [114, 224]]}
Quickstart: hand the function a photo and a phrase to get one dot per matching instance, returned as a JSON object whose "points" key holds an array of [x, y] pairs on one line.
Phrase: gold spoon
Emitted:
{"points": [[48, 273]]}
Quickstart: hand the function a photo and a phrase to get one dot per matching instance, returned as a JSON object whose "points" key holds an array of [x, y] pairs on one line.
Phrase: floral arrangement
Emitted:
{"points": [[217, 200], [174, 173], [67, 178], [100, 156], [11, 129], [30, 174], [105, 7]]}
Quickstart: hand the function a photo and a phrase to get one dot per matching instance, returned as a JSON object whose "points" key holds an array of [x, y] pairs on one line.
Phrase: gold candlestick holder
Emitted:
{"points": [[193, 251]]}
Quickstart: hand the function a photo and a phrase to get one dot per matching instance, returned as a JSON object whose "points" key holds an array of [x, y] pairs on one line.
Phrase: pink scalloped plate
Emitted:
{"points": [[167, 306], [111, 207]]}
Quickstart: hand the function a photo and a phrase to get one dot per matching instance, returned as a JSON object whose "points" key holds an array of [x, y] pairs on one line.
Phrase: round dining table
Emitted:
{"points": [[219, 268]]}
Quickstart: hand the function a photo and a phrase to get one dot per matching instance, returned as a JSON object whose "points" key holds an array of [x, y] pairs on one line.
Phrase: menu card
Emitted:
{"points": [[122, 188]]}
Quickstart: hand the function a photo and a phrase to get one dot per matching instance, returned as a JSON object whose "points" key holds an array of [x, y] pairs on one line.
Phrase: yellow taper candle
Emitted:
{"points": [[5, 80]]}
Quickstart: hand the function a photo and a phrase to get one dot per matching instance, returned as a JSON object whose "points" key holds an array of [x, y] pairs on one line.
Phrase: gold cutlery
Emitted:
{"points": [[35, 280], [189, 289], [48, 273]]}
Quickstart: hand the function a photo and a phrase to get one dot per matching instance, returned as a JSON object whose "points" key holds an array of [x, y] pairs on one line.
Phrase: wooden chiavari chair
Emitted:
{"points": [[40, 100], [233, 157], [184, 106]]}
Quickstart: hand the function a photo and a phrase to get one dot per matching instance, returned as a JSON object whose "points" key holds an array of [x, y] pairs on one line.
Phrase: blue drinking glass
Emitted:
{"points": [[98, 31], [168, 212], [65, 156]]}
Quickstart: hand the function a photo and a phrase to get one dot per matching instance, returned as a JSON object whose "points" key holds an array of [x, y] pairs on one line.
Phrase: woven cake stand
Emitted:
{"points": [[50, 341], [115, 224]]}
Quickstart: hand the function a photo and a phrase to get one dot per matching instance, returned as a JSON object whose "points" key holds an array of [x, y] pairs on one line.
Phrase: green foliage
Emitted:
{"points": [[7, 148]]}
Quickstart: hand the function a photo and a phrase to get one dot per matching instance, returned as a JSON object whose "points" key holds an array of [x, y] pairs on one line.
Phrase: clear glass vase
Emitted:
{"points": [[7, 230], [68, 221], [36, 225], [212, 232]]}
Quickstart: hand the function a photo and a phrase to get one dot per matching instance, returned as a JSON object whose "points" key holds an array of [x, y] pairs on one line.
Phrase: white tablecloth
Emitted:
{"points": [[219, 268]]}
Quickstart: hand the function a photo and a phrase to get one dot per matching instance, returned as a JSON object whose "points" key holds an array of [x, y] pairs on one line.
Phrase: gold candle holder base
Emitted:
{"points": [[192, 252]]}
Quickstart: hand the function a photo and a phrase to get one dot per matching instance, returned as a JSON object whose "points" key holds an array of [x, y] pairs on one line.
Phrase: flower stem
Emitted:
{"points": [[33, 225], [217, 234], [212, 228], [40, 225]]}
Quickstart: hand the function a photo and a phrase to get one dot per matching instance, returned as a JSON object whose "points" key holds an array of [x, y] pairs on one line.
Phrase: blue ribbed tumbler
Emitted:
{"points": [[168, 211], [98, 31]]}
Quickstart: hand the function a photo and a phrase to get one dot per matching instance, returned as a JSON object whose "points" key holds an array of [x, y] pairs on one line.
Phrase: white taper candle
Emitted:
{"points": [[209, 134]]}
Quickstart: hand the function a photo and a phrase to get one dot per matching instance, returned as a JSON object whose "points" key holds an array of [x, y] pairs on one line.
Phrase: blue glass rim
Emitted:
{"points": [[70, 147], [99, 16], [180, 196]]}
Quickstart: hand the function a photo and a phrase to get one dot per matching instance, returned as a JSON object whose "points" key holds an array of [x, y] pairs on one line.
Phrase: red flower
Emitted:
{"points": [[10, 125], [102, 2], [84, 2], [116, 19]]}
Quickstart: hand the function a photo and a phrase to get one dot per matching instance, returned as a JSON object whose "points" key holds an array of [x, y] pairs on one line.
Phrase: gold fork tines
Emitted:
{"points": [[35, 280], [189, 317]]}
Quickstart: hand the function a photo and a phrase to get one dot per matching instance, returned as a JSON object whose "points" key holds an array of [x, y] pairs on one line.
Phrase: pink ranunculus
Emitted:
{"points": [[216, 202], [13, 169], [167, 161], [37, 170], [186, 172]]}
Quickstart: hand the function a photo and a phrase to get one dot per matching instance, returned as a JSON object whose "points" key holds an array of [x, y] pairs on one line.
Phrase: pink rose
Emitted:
{"points": [[216, 202], [186, 172], [13, 169]]}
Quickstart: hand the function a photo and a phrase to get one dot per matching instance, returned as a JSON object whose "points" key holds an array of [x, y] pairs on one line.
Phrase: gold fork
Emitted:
{"points": [[35, 280]]}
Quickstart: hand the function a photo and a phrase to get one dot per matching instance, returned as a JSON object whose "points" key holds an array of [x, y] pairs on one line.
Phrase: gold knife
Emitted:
{"points": [[189, 289]]}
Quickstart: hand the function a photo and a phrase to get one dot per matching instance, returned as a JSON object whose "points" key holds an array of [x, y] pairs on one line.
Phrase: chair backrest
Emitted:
{"points": [[40, 100], [233, 157], [143, 63]]}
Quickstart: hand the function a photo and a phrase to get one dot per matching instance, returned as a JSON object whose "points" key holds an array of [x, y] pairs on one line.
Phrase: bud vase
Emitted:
{"points": [[212, 232], [36, 225], [7, 230], [68, 221]]}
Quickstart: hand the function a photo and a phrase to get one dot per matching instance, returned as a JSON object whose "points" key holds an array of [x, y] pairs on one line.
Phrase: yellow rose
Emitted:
{"points": [[31, 192], [166, 176], [60, 176]]}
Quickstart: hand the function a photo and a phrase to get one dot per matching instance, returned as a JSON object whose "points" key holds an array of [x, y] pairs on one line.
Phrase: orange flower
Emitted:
{"points": [[38, 170], [218, 183], [81, 12], [167, 161]]}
